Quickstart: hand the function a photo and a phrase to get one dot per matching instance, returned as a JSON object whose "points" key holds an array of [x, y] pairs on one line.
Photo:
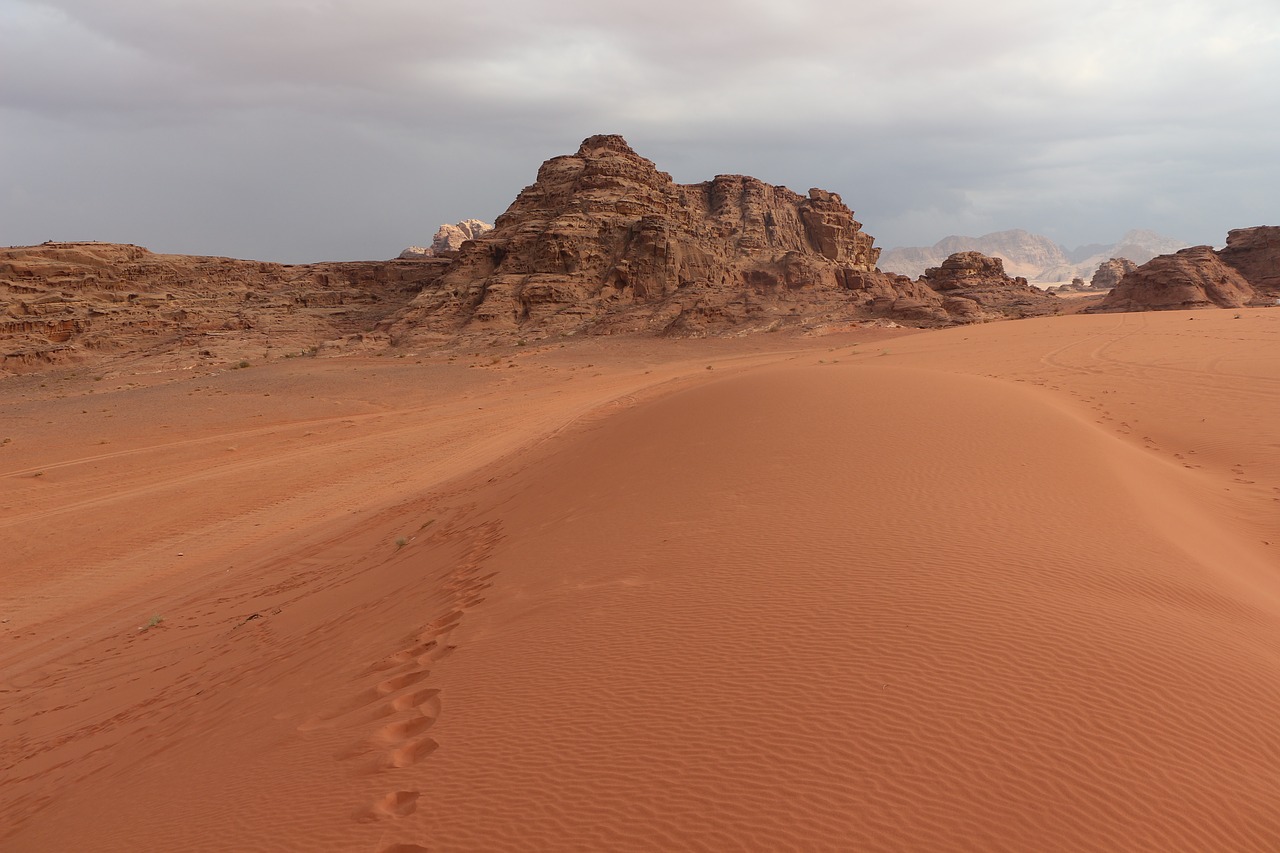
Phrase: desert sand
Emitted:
{"points": [[1012, 586]]}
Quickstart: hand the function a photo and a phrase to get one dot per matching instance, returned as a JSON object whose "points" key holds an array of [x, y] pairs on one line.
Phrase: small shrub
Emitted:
{"points": [[401, 542]]}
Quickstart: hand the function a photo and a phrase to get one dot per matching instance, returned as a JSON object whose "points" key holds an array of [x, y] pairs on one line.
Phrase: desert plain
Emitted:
{"points": [[1006, 586]]}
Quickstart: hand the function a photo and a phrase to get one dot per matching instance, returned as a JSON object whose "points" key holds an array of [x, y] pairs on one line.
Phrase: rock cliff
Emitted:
{"points": [[1255, 253], [76, 302], [604, 242], [1246, 272]]}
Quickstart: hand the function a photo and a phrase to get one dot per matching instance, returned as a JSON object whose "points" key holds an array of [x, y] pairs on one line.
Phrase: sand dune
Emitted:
{"points": [[1007, 587]]}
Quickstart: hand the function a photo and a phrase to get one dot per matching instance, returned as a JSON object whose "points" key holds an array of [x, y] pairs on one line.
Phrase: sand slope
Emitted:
{"points": [[1003, 587]]}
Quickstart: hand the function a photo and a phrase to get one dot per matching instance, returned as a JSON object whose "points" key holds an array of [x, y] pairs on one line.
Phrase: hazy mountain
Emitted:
{"points": [[1032, 256]]}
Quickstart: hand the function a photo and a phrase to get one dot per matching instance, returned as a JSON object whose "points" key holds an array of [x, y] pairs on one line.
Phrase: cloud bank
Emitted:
{"points": [[329, 129]]}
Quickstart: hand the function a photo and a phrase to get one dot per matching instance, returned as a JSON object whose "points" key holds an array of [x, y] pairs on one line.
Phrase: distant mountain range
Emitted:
{"points": [[1032, 256]]}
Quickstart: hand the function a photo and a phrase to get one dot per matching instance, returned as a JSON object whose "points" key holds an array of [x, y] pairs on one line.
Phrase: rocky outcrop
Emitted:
{"points": [[1255, 253], [1191, 278], [1109, 273], [1245, 273], [1106, 277], [1076, 285], [976, 288], [448, 240], [603, 242], [83, 302]]}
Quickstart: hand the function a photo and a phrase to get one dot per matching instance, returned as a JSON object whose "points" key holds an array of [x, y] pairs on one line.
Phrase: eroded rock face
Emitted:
{"points": [[1246, 272], [1109, 273], [1255, 253], [1191, 278], [604, 242], [84, 302], [975, 288]]}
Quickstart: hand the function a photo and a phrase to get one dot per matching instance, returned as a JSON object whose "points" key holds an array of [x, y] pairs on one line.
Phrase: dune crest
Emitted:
{"points": [[1007, 586]]}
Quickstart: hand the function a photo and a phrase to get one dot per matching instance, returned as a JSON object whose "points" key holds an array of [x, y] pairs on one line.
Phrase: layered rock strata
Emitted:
{"points": [[63, 302]]}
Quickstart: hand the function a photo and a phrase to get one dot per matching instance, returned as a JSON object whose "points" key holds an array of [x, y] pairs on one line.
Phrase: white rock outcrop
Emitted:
{"points": [[449, 238]]}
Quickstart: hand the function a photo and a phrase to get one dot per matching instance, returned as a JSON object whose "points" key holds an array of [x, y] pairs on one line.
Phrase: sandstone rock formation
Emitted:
{"points": [[1255, 252], [1245, 273], [975, 287], [1105, 278], [603, 242], [79, 302], [448, 240], [1109, 273], [1076, 285]]}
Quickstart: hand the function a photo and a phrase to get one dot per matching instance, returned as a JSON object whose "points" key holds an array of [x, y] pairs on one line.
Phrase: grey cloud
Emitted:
{"points": [[308, 129]]}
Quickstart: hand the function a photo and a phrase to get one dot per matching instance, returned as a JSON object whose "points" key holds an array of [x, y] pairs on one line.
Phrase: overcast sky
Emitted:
{"points": [[300, 130]]}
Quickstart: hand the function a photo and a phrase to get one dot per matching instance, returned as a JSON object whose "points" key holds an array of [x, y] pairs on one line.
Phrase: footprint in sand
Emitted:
{"points": [[394, 804], [366, 698], [403, 656], [425, 705], [401, 681], [427, 700], [443, 625], [403, 729], [410, 753]]}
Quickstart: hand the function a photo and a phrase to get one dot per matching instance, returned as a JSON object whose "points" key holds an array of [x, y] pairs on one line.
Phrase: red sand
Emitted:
{"points": [[1007, 587]]}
